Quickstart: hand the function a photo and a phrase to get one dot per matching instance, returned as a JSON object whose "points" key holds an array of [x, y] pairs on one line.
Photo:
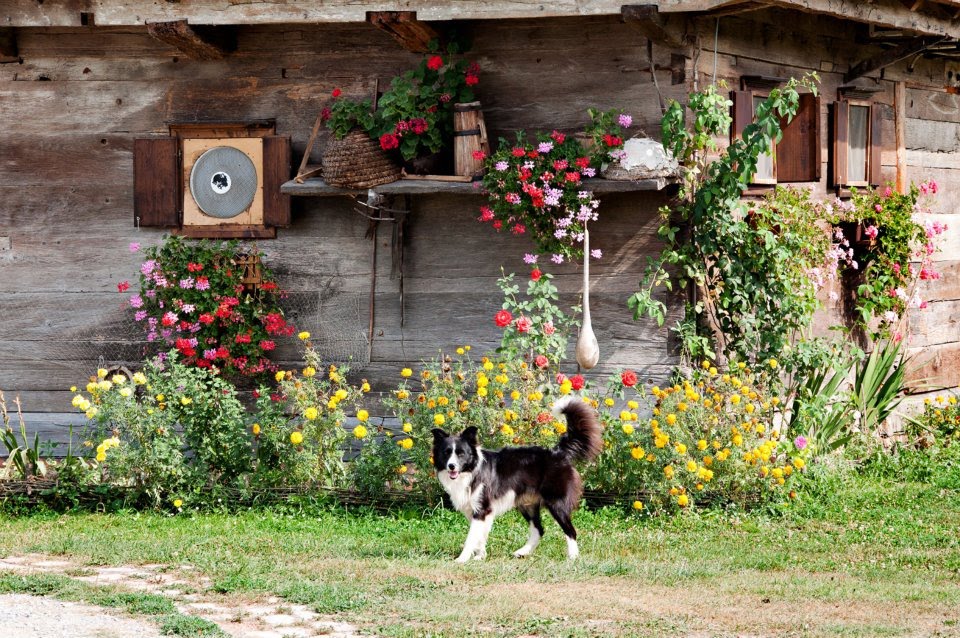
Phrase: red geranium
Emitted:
{"points": [[389, 141], [577, 382], [336, 93], [541, 361], [435, 63], [535, 274], [629, 378], [123, 286]]}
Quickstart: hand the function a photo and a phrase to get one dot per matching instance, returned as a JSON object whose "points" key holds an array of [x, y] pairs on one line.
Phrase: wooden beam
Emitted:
{"points": [[900, 128], [200, 43], [669, 31], [695, 6], [8, 45], [890, 56], [886, 13], [404, 27]]}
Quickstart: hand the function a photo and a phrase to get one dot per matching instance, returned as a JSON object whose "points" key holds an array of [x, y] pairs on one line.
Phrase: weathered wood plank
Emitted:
{"points": [[934, 367], [938, 324], [885, 13]]}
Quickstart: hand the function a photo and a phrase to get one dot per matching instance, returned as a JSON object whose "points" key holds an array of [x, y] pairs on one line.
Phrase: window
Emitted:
{"points": [[857, 142], [796, 157]]}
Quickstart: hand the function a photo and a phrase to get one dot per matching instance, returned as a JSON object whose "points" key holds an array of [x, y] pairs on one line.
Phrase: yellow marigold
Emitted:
{"points": [[799, 463], [488, 365], [515, 395], [656, 412], [365, 387], [777, 472], [691, 466], [92, 387], [654, 424], [609, 402], [481, 391], [560, 427], [627, 429], [178, 503], [633, 405], [360, 432], [672, 419], [661, 441], [680, 448], [566, 387], [773, 364], [311, 413], [256, 429], [296, 437], [362, 416], [118, 379], [482, 381], [749, 408], [738, 439], [506, 430], [439, 419], [682, 500], [303, 336], [775, 401], [139, 378], [105, 385], [668, 471], [761, 428], [708, 460], [406, 444], [624, 415], [764, 471], [102, 373], [126, 392], [402, 469], [637, 505], [185, 400], [735, 399], [461, 351], [280, 375], [713, 371], [787, 470], [638, 452], [309, 371], [656, 391], [702, 445], [406, 372], [408, 428]]}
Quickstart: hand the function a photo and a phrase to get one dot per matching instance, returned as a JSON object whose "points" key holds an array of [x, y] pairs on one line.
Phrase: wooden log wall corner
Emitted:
{"points": [[8, 45], [669, 31], [403, 26], [196, 43]]}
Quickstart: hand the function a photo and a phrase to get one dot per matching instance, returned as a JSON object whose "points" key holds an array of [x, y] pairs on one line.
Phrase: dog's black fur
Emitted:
{"points": [[483, 484]]}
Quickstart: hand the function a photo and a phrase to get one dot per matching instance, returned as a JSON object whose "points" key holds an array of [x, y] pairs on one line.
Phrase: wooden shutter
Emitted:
{"points": [[741, 112], [156, 183], [841, 112], [276, 171], [876, 145], [798, 153]]}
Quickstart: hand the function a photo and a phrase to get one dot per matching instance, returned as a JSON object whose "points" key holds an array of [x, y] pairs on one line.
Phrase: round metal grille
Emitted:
{"points": [[223, 182]]}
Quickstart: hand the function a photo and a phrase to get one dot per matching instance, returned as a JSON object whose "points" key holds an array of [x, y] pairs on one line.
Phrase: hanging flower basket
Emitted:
{"points": [[357, 161]]}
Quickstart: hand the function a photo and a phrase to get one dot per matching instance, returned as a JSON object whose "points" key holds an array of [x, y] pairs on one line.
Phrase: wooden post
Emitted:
{"points": [[899, 122]]}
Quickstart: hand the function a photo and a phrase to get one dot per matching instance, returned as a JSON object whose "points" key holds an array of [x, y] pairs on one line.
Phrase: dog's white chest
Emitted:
{"points": [[461, 495]]}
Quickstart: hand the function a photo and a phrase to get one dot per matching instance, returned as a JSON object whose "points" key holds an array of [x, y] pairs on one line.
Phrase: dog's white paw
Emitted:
{"points": [[462, 559], [523, 552]]}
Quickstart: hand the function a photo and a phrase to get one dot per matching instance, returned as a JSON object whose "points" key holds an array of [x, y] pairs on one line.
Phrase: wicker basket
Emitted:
{"points": [[357, 161]]}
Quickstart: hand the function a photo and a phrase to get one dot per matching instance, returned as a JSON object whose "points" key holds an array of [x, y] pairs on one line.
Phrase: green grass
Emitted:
{"points": [[856, 556]]}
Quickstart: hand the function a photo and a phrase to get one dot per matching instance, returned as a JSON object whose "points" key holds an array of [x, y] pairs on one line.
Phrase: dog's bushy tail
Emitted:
{"points": [[583, 440]]}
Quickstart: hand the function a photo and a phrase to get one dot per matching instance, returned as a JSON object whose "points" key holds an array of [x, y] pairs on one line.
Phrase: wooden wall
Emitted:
{"points": [[70, 113]]}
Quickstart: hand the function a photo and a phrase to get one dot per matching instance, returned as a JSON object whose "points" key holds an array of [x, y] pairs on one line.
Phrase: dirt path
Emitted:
{"points": [[266, 618]]}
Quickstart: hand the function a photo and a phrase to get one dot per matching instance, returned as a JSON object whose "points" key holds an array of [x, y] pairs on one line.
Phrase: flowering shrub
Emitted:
{"points": [[415, 115], [535, 329], [192, 297], [318, 397], [711, 438], [892, 238], [536, 186], [938, 424], [141, 425]]}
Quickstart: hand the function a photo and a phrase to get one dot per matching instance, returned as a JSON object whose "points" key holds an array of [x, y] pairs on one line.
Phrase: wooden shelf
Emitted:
{"points": [[316, 187]]}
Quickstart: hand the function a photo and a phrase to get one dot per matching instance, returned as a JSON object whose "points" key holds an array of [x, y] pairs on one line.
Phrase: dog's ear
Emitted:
{"points": [[470, 435], [439, 434]]}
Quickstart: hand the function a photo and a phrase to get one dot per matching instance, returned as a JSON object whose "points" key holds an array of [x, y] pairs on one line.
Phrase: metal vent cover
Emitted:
{"points": [[223, 182]]}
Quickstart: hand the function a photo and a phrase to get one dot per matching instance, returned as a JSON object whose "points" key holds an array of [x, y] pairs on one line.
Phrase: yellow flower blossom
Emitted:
{"points": [[139, 378], [406, 444], [773, 363], [360, 432], [185, 400], [303, 336], [481, 391], [256, 429], [311, 413], [680, 448], [627, 429], [102, 373], [126, 392], [506, 430], [488, 365], [738, 439], [402, 469], [735, 399], [691, 466], [672, 419], [638, 452], [280, 375], [638, 505], [362, 416], [668, 471], [406, 372], [799, 463], [682, 500], [515, 395], [296, 437], [178, 503], [439, 419], [633, 405]]}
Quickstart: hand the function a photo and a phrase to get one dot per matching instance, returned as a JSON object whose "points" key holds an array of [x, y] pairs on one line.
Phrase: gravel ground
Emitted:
{"points": [[23, 616]]}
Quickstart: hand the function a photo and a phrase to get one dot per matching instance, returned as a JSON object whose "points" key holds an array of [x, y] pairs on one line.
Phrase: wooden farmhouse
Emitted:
{"points": [[81, 80]]}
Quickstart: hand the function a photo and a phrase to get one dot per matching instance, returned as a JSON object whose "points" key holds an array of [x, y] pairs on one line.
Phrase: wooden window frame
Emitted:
{"points": [[841, 134], [791, 143]]}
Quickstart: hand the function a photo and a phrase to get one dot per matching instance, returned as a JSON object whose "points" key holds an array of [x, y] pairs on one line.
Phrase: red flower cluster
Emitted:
{"points": [[503, 318], [628, 378], [435, 63], [389, 141]]}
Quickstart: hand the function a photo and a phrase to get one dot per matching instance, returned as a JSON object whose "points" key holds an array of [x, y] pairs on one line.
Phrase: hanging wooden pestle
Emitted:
{"points": [[588, 350]]}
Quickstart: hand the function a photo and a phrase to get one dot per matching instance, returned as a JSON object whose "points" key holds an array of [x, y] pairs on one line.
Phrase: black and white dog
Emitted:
{"points": [[484, 484]]}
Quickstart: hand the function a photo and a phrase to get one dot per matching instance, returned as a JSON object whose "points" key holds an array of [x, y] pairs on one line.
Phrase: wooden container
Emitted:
{"points": [[357, 161], [469, 136]]}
